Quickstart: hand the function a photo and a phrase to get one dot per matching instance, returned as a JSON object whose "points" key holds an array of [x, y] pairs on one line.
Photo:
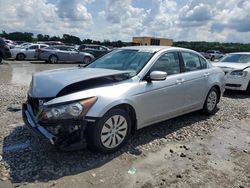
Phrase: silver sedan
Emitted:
{"points": [[62, 53], [130, 88]]}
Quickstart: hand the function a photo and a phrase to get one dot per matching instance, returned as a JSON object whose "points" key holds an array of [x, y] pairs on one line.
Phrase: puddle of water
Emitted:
{"points": [[21, 73]]}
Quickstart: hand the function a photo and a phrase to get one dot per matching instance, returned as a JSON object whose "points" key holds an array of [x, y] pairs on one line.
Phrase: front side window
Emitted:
{"points": [[191, 61], [168, 63], [33, 47], [123, 59]]}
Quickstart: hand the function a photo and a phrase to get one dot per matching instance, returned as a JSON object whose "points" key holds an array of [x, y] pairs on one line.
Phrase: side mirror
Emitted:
{"points": [[26, 48], [158, 75]]}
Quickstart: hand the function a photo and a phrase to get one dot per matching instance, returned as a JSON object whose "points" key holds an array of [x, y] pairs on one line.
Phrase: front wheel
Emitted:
{"points": [[211, 101], [1, 59], [111, 132], [20, 57]]}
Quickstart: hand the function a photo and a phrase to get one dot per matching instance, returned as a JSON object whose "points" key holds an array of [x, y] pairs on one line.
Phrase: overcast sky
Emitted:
{"points": [[189, 20]]}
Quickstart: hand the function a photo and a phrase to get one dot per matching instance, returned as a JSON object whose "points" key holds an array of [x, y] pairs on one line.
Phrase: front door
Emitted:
{"points": [[158, 100]]}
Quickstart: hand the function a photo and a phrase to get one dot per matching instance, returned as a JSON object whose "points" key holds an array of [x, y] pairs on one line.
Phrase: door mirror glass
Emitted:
{"points": [[158, 75]]}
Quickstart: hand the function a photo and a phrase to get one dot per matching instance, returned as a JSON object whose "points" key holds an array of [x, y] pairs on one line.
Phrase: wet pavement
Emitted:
{"points": [[20, 72]]}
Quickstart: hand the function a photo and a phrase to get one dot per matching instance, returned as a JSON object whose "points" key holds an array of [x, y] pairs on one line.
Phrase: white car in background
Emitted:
{"points": [[237, 70], [26, 52]]}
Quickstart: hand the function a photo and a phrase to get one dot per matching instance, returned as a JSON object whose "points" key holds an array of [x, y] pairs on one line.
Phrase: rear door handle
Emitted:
{"points": [[206, 74], [180, 81]]}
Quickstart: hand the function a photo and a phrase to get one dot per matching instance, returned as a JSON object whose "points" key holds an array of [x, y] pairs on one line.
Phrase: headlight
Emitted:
{"points": [[239, 73], [75, 110]]}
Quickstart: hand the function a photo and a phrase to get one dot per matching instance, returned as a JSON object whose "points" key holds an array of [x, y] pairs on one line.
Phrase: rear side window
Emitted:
{"points": [[42, 46], [191, 61], [168, 63]]}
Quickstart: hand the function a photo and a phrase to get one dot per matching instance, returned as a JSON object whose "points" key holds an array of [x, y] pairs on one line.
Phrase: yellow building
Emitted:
{"points": [[152, 41]]}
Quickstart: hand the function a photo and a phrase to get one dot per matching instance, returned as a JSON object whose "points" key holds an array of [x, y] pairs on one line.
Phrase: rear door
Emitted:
{"points": [[196, 83], [63, 53]]}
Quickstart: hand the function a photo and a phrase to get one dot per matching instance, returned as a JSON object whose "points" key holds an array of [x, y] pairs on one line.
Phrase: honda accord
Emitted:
{"points": [[101, 105]]}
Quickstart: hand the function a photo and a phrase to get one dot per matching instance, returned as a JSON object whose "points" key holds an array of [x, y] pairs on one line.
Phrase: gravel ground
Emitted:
{"points": [[27, 161]]}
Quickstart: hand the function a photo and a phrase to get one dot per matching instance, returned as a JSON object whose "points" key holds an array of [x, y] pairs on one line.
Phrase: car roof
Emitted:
{"points": [[155, 48]]}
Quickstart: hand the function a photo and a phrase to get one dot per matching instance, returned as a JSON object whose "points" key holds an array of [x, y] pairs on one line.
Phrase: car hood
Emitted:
{"points": [[228, 66], [48, 84]]}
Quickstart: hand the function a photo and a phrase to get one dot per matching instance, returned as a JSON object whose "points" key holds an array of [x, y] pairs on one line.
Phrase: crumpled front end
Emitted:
{"points": [[65, 129]]}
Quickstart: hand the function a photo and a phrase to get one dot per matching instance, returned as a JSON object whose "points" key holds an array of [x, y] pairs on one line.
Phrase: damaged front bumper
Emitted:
{"points": [[69, 137]]}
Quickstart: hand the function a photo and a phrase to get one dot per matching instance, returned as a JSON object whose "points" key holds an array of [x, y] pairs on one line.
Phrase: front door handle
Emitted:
{"points": [[206, 74], [180, 81]]}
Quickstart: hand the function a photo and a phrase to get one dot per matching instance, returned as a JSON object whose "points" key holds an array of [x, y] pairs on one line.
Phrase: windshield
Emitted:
{"points": [[236, 58], [123, 59]]}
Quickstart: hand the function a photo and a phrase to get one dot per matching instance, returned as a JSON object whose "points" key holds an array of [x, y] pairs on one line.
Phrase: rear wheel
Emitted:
{"points": [[210, 104], [111, 132], [20, 57], [86, 60], [1, 59], [53, 59]]}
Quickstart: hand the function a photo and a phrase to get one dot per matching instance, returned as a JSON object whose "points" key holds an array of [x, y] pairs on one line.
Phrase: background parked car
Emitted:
{"points": [[95, 50], [237, 70], [212, 54], [10, 43], [21, 45], [51, 43], [26, 52], [55, 54], [4, 50]]}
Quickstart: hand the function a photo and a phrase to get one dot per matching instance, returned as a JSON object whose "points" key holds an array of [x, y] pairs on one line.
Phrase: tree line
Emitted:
{"points": [[200, 46], [66, 38]]}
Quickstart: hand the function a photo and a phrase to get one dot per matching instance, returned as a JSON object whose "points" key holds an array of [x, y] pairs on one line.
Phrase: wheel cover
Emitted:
{"points": [[114, 131], [211, 100]]}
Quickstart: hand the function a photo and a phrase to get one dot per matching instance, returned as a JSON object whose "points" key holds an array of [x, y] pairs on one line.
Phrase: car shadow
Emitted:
{"points": [[234, 94], [31, 160]]}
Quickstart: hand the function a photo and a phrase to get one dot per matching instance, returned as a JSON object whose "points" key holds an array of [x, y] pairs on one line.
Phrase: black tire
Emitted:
{"points": [[212, 58], [248, 88], [20, 56], [211, 102], [86, 60], [53, 59], [1, 59], [99, 135]]}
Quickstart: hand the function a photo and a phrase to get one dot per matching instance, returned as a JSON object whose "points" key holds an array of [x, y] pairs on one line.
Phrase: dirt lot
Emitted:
{"points": [[190, 151]]}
